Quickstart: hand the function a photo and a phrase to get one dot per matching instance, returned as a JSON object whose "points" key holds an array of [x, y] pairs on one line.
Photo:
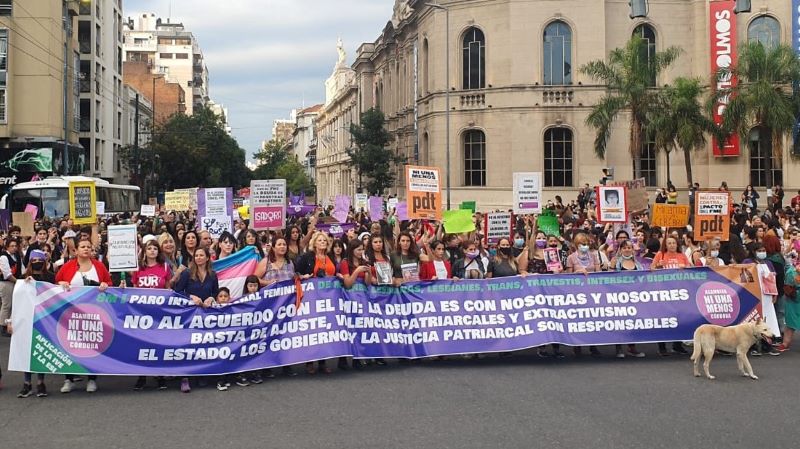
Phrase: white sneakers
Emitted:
{"points": [[91, 386]]}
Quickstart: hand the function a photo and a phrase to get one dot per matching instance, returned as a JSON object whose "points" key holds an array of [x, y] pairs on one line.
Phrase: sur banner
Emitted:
{"points": [[154, 332], [724, 41], [423, 193]]}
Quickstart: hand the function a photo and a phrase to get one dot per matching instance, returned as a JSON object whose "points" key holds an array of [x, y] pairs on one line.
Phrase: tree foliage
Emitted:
{"points": [[191, 151], [276, 162], [629, 75], [370, 156]]}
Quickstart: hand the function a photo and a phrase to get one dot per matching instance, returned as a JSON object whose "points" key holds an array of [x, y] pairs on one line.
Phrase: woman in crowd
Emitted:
{"points": [[337, 253], [354, 267], [470, 266], [405, 260], [200, 284], [584, 260], [750, 198], [78, 272], [536, 263], [295, 243], [791, 308], [250, 238], [711, 258], [10, 271], [760, 256], [438, 267], [37, 270], [626, 261], [226, 245], [316, 263], [668, 257], [504, 264], [153, 272], [380, 267], [672, 195], [189, 244]]}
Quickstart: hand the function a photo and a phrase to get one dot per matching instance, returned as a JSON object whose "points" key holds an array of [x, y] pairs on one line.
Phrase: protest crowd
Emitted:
{"points": [[385, 249]]}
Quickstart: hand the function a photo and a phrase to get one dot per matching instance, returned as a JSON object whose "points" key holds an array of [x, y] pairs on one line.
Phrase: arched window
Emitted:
{"points": [[474, 59], [766, 30], [474, 158], [648, 35], [558, 157], [425, 68], [758, 163], [557, 54]]}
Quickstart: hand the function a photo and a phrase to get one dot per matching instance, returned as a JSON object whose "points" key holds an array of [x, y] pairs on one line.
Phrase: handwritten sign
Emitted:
{"points": [[215, 224], [82, 197], [147, 210], [100, 207], [636, 192], [122, 248], [670, 215], [497, 225], [177, 200]]}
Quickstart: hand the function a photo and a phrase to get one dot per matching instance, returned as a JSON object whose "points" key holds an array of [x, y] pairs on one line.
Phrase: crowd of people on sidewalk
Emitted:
{"points": [[175, 255]]}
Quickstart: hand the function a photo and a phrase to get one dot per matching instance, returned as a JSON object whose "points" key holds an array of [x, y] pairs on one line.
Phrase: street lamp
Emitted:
{"points": [[447, 92]]}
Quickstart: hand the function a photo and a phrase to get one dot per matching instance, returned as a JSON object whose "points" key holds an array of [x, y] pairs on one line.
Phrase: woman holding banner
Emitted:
{"points": [[316, 263], [669, 257], [626, 261], [584, 261], [406, 260], [79, 272]]}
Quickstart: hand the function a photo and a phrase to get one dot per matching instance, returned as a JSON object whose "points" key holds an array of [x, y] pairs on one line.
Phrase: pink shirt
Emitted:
{"points": [[152, 277]]}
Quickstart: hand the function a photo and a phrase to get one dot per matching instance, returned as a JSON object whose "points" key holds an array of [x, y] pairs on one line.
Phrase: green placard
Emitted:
{"points": [[469, 205]]}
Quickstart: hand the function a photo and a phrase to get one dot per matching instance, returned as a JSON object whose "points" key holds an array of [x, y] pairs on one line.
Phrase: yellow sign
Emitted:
{"points": [[177, 200], [82, 202], [670, 215]]}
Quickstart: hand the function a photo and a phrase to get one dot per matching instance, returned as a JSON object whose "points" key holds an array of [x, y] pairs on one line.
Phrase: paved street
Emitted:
{"points": [[518, 402]]}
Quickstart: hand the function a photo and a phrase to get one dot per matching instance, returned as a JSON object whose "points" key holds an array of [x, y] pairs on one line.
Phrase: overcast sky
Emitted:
{"points": [[265, 57]]}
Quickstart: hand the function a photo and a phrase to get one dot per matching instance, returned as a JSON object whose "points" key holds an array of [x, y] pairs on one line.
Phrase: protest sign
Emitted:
{"points": [[268, 204], [497, 225], [670, 215], [375, 208], [100, 207], [527, 192], [335, 229], [391, 204], [82, 197], [611, 204], [471, 206], [153, 332], [401, 209], [25, 223], [458, 221], [547, 222], [552, 260], [32, 210], [361, 202], [177, 200], [712, 218], [216, 224], [423, 193], [636, 192], [147, 210], [122, 248], [215, 202], [341, 208], [153, 201], [297, 206]]}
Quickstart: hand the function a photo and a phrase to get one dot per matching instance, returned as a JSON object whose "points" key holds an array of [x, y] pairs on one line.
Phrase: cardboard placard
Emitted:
{"points": [[361, 202], [25, 223], [636, 193], [670, 215], [100, 207], [148, 210], [177, 200], [423, 193], [712, 218]]}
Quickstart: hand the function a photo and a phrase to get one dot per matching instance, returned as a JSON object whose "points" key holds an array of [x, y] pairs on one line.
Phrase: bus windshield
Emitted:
{"points": [[52, 202]]}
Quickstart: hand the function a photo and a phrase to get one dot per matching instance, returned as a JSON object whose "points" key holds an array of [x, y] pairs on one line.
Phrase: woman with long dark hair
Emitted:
{"points": [[189, 244]]}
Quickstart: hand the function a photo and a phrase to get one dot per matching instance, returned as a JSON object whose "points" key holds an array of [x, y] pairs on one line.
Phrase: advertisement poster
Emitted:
{"points": [[724, 45]]}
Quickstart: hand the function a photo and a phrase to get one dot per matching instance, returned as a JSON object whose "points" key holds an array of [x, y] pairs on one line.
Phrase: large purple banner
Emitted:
{"points": [[154, 332]]}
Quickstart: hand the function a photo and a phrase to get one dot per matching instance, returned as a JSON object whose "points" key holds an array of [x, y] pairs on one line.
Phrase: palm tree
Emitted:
{"points": [[763, 97], [679, 121], [629, 76]]}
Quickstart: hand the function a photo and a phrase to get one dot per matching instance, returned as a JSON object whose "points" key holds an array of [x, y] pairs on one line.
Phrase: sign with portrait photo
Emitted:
{"points": [[612, 204]]}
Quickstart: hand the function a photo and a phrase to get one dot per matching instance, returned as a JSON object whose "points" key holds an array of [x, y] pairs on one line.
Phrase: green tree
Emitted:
{"points": [[271, 157], [191, 151], [296, 178], [762, 99], [678, 121], [370, 155], [629, 76]]}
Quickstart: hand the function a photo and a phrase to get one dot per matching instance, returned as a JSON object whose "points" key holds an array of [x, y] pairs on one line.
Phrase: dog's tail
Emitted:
{"points": [[697, 346]]}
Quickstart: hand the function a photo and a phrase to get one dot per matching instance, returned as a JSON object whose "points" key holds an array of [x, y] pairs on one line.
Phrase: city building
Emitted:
{"points": [[39, 105], [304, 136], [221, 112], [283, 129], [101, 97], [518, 101], [334, 176], [168, 49], [135, 132], [167, 98]]}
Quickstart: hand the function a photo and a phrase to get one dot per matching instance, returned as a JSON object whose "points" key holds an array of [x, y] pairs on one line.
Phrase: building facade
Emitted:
{"points": [[170, 50], [304, 137], [101, 98], [283, 129], [221, 112], [334, 175], [135, 132], [166, 98], [39, 92], [518, 101]]}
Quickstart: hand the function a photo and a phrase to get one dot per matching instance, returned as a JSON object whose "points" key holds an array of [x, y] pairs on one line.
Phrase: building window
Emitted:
{"points": [[557, 54], [766, 30], [181, 56], [165, 55], [474, 59], [648, 164], [474, 158], [758, 163], [648, 35], [6, 7], [3, 73], [558, 157], [425, 67]]}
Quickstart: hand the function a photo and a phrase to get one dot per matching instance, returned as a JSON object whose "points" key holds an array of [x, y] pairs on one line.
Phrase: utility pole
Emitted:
{"points": [[137, 169], [68, 30]]}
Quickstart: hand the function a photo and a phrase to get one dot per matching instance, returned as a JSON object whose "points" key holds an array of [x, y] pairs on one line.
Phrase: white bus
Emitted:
{"points": [[51, 196]]}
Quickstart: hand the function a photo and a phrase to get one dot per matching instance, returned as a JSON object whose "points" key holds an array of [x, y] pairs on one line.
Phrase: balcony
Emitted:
{"points": [[473, 100], [558, 97]]}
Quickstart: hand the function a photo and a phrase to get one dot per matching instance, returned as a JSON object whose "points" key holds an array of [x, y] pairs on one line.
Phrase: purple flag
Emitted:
{"points": [[402, 211], [341, 208], [375, 208], [297, 206], [335, 229]]}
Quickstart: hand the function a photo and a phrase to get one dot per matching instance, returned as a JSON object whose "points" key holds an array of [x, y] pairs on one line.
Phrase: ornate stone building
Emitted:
{"points": [[518, 101]]}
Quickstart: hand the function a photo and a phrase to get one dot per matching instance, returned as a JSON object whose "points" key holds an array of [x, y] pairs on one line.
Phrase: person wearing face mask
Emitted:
{"points": [[504, 264], [760, 255], [536, 262], [584, 261], [711, 258], [625, 260], [470, 266]]}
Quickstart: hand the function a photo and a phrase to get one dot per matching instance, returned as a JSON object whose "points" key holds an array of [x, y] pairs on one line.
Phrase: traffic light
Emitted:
{"points": [[742, 6], [639, 8]]}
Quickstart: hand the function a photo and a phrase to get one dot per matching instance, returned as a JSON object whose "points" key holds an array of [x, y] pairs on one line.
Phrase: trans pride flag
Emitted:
{"points": [[233, 270]]}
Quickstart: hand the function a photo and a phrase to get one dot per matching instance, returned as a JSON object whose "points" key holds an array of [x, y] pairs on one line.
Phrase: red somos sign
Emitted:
{"points": [[723, 55]]}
